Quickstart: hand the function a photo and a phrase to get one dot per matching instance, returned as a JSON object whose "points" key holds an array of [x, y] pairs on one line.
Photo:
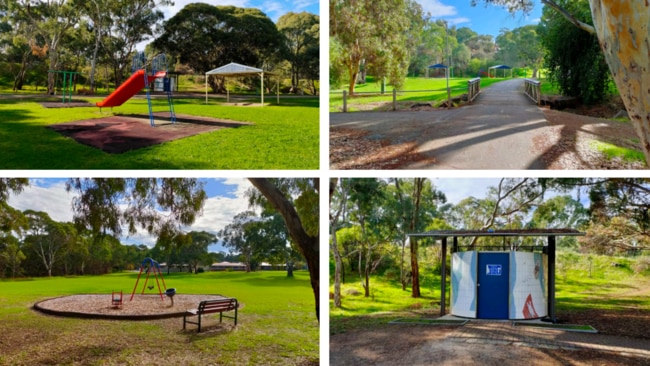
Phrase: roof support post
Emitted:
{"points": [[551, 279], [454, 248], [443, 285], [262, 82]]}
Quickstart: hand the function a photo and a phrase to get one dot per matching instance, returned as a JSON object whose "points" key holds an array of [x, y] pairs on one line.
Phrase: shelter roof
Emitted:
{"points": [[501, 67], [437, 66], [520, 232], [234, 69]]}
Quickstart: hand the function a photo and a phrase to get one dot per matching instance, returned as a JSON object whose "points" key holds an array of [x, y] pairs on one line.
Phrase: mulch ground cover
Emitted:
{"points": [[119, 134]]}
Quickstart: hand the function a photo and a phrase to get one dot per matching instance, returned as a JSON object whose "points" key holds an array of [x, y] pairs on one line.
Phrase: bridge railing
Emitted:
{"points": [[532, 88], [473, 89]]}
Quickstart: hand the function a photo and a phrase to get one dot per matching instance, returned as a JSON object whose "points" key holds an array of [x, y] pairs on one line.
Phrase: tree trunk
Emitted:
{"points": [[308, 245], [415, 269], [622, 29], [402, 274]]}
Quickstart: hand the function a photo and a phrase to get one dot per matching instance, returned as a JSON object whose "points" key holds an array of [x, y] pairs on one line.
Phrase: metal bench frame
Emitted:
{"points": [[212, 306]]}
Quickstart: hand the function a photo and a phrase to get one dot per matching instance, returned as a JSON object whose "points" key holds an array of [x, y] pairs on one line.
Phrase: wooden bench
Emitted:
{"points": [[212, 306]]}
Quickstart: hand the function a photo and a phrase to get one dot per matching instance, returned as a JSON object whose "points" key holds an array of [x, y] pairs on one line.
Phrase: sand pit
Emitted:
{"points": [[143, 307], [119, 134]]}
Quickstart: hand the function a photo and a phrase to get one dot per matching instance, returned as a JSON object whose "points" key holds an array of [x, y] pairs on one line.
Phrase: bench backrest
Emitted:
{"points": [[214, 306]]}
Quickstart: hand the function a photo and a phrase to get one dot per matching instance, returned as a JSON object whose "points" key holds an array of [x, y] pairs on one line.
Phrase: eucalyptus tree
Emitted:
{"points": [[196, 252], [297, 201], [204, 37], [51, 21], [160, 206], [130, 22], [240, 236], [622, 31], [381, 34], [301, 33], [48, 238]]}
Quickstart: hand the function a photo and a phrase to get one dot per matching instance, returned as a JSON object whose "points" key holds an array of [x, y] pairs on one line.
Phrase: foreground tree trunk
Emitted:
{"points": [[307, 244], [624, 37]]}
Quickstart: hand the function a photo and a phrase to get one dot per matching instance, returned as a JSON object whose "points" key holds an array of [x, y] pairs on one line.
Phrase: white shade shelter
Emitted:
{"points": [[234, 70]]}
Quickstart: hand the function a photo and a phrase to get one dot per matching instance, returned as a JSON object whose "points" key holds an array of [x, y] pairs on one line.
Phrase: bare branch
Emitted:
{"points": [[584, 26]]}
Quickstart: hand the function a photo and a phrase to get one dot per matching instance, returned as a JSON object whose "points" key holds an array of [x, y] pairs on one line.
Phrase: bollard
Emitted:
{"points": [[394, 99], [345, 102]]}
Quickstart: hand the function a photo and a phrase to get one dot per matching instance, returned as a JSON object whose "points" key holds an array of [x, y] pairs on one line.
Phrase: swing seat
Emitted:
{"points": [[117, 298]]}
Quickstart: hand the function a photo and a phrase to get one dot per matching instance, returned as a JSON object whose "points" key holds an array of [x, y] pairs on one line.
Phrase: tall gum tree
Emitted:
{"points": [[624, 36]]}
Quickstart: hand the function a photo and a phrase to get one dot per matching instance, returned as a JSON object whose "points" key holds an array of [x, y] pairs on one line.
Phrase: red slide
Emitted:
{"points": [[128, 89]]}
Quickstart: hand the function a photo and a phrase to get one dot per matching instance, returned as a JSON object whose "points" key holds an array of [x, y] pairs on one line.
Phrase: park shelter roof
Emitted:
{"points": [[437, 66], [501, 67], [234, 69], [519, 232]]}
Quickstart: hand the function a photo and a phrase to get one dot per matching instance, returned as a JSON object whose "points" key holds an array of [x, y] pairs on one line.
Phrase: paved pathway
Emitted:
{"points": [[496, 132]]}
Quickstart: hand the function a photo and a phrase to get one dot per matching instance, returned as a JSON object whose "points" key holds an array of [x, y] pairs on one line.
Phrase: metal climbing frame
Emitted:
{"points": [[66, 87], [158, 69]]}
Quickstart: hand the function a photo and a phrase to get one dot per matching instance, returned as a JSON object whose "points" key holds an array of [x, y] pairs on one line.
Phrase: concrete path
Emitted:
{"points": [[495, 132]]}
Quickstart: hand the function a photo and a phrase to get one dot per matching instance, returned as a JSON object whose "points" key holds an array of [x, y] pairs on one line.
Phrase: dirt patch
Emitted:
{"points": [[567, 143], [119, 134], [353, 149], [426, 345]]}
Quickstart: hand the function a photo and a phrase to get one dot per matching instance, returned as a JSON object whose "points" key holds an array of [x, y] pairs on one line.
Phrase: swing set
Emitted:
{"points": [[149, 265]]}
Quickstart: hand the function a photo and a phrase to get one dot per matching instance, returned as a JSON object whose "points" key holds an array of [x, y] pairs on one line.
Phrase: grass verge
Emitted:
{"points": [[277, 324], [612, 151], [415, 90], [284, 136]]}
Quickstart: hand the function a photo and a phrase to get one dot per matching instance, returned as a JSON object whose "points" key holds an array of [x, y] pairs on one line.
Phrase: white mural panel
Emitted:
{"points": [[527, 286], [463, 284]]}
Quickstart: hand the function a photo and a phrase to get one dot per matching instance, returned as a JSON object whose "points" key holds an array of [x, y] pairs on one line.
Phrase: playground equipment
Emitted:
{"points": [[141, 79], [150, 265], [66, 86], [170, 292], [116, 299]]}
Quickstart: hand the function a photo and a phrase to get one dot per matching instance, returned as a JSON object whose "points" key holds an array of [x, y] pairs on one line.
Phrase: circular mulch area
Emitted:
{"points": [[119, 134], [143, 307]]}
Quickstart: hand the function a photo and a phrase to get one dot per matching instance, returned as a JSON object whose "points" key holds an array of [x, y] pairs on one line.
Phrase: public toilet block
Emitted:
{"points": [[499, 284]]}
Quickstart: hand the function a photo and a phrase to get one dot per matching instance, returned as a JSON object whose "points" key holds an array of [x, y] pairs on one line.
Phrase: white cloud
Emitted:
{"points": [[459, 20], [52, 199], [457, 189], [219, 211], [438, 9]]}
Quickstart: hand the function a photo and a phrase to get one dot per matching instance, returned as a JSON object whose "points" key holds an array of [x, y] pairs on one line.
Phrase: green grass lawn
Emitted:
{"points": [[284, 136], [431, 90], [276, 325], [613, 288]]}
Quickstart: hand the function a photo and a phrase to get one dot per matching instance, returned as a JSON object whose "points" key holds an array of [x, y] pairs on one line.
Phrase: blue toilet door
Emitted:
{"points": [[493, 282]]}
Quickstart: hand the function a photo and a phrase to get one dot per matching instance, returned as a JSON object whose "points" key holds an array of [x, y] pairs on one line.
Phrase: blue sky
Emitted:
{"points": [[226, 198], [274, 9], [481, 19]]}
